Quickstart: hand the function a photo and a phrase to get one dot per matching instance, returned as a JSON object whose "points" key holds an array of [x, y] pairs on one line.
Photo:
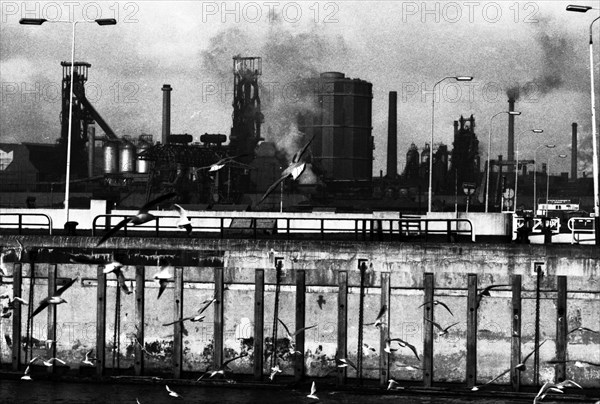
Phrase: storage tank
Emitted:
{"points": [[142, 165], [110, 153], [343, 145], [128, 157]]}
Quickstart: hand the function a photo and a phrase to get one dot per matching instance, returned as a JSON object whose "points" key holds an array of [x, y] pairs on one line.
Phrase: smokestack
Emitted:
{"points": [[511, 132], [166, 123], [392, 146], [574, 151]]}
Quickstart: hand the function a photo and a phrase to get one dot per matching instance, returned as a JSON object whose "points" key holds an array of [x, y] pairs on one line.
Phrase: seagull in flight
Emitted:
{"points": [[141, 217], [89, 360], [109, 266], [345, 362], [55, 298], [294, 170], [196, 318], [405, 344], [223, 162], [438, 302], [379, 320], [183, 222], [26, 374], [291, 337], [443, 331], [486, 292], [546, 388], [51, 361], [274, 371], [162, 277], [223, 368], [172, 393], [583, 329], [313, 392]]}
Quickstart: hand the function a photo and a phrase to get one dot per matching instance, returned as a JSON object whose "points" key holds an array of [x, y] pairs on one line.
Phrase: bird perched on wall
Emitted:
{"points": [[54, 298], [436, 303], [294, 170], [141, 217], [183, 222]]}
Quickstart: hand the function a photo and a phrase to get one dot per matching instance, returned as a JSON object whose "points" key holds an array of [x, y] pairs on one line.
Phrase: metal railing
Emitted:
{"points": [[293, 227], [579, 226], [21, 221]]}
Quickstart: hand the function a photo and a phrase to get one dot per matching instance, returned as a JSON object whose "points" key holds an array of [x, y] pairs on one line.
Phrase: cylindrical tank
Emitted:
{"points": [[128, 156], [343, 145], [142, 165], [110, 152]]}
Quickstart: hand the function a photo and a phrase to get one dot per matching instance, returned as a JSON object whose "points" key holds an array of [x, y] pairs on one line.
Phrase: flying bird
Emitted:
{"points": [[379, 320], [55, 298], [26, 374], [546, 388], [291, 337], [223, 368], [321, 301], [392, 384], [199, 317], [345, 362], [183, 222], [388, 347], [313, 392], [89, 360], [223, 162], [443, 331], [438, 302], [274, 371], [294, 170], [162, 277], [51, 361], [405, 344], [577, 363], [172, 393], [583, 329], [109, 266], [141, 217], [486, 292]]}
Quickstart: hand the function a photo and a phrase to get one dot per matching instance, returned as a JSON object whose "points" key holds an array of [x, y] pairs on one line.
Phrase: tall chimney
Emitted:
{"points": [[166, 122], [574, 151], [392, 146], [511, 133]]}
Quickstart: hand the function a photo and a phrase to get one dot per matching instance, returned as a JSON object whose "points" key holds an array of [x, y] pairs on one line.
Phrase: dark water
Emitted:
{"points": [[33, 392]]}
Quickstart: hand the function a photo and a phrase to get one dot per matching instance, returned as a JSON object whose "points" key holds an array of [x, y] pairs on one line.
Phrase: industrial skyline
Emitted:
{"points": [[535, 47]]}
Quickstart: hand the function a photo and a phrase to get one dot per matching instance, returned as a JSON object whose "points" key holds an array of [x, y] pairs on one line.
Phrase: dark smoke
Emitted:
{"points": [[556, 63]]}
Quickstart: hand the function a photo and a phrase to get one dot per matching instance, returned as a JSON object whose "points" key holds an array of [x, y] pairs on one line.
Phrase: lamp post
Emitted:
{"points": [[517, 160], [583, 9], [487, 180], [549, 146], [562, 156], [40, 21], [457, 78]]}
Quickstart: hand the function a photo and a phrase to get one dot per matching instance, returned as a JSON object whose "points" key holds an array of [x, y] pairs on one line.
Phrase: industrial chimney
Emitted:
{"points": [[574, 151], [392, 146], [166, 123], [511, 133]]}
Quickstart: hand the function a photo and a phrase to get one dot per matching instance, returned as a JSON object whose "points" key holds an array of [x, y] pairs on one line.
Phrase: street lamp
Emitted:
{"points": [[457, 78], [487, 181], [583, 9], [517, 161], [549, 146], [40, 21], [562, 156]]}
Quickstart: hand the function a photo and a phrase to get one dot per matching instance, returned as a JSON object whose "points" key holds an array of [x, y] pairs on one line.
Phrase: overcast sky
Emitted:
{"points": [[404, 46]]}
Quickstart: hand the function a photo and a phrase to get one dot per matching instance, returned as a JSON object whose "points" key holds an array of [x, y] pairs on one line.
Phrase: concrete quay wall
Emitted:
{"points": [[406, 264]]}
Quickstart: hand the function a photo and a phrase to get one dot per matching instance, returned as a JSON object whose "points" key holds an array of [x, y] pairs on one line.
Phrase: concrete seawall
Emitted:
{"points": [[321, 262]]}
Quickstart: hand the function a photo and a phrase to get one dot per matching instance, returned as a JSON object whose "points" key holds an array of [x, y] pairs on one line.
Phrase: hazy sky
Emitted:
{"points": [[404, 46]]}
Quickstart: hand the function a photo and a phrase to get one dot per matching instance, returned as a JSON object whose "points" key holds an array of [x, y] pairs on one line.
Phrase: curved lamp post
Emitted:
{"points": [[487, 180], [549, 146], [517, 160], [40, 21], [457, 78]]}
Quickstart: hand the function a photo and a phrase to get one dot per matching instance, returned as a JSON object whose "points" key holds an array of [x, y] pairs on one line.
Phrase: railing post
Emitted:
{"points": [[100, 321], [140, 288], [428, 330], [515, 357], [448, 231], [51, 332], [472, 331], [178, 326], [259, 322], [384, 330], [342, 326], [300, 323], [218, 319], [20, 215], [16, 321], [561, 329]]}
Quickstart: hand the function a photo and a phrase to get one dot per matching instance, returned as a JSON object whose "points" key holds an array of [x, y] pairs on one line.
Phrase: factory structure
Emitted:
{"points": [[131, 170]]}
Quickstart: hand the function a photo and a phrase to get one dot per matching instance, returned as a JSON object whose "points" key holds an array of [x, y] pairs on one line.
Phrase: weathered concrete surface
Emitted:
{"points": [[407, 262]]}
